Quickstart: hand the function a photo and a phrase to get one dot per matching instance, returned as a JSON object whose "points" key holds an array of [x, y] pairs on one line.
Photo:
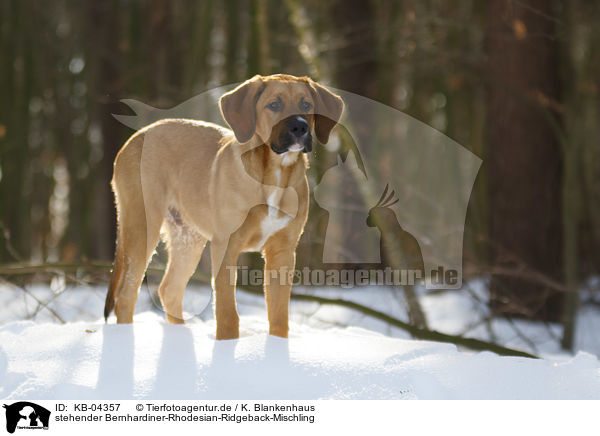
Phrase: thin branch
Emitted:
{"points": [[9, 247], [40, 302]]}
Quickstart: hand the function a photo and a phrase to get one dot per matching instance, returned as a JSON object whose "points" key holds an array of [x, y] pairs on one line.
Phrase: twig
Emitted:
{"points": [[488, 319], [520, 334], [41, 303], [9, 247]]}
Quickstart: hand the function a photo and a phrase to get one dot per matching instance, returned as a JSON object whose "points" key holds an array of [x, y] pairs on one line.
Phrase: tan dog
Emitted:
{"points": [[244, 190]]}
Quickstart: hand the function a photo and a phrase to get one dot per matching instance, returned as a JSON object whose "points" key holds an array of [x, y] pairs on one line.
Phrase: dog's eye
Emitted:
{"points": [[304, 105], [275, 106]]}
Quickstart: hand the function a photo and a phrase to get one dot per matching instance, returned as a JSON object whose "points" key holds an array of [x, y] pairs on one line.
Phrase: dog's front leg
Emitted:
{"points": [[280, 262], [224, 256]]}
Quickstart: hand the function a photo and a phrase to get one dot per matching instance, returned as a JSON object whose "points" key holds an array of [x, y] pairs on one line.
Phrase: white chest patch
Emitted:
{"points": [[272, 223]]}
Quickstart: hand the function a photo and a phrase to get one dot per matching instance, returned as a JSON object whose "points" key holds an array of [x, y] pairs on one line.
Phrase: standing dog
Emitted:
{"points": [[243, 189]]}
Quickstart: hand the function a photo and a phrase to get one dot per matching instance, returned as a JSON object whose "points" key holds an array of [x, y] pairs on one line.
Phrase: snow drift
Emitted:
{"points": [[154, 360]]}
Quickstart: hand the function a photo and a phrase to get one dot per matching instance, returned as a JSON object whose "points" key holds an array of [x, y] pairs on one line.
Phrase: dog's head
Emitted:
{"points": [[282, 111]]}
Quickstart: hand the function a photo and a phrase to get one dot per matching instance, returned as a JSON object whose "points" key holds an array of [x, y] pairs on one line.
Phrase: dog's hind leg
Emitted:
{"points": [[136, 242], [185, 248], [139, 220], [133, 262]]}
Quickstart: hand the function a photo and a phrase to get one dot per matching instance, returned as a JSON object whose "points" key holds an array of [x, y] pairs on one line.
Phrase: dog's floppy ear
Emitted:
{"points": [[328, 111], [238, 108]]}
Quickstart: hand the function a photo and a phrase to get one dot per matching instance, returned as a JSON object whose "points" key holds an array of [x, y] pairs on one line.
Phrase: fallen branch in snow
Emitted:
{"points": [[416, 332], [419, 333]]}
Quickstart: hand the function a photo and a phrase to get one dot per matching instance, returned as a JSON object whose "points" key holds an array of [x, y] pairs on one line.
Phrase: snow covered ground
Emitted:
{"points": [[332, 353]]}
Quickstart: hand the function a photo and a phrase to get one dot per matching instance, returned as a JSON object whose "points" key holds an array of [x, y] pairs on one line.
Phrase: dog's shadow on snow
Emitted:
{"points": [[179, 373], [176, 371], [228, 376], [115, 376], [176, 376]]}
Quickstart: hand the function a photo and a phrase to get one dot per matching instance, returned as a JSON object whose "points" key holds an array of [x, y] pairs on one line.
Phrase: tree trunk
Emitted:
{"points": [[524, 155], [107, 82]]}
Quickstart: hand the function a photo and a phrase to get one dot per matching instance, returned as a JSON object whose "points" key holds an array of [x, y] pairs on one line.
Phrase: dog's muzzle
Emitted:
{"points": [[295, 136]]}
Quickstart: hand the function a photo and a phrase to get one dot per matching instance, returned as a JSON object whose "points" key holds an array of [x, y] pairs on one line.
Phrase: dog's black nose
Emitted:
{"points": [[297, 126]]}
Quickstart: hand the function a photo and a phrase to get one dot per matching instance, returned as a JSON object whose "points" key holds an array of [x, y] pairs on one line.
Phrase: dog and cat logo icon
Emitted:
{"points": [[26, 415]]}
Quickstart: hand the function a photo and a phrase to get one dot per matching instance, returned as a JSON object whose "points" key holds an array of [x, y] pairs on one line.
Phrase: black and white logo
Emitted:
{"points": [[26, 415]]}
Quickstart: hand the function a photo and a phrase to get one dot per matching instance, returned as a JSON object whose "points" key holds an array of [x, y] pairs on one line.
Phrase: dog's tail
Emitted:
{"points": [[115, 280], [109, 304]]}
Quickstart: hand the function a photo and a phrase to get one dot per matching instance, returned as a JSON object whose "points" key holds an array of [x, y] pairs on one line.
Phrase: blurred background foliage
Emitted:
{"points": [[514, 81]]}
